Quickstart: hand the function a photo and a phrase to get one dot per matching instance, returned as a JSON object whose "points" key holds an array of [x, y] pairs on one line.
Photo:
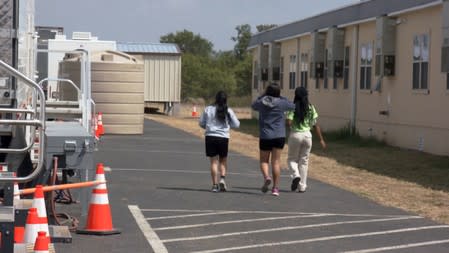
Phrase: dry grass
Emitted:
{"points": [[408, 180]]}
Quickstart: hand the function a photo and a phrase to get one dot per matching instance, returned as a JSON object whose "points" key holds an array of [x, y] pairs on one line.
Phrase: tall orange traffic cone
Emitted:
{"points": [[41, 244], [19, 232], [194, 112], [99, 218], [39, 204], [32, 226], [100, 127]]}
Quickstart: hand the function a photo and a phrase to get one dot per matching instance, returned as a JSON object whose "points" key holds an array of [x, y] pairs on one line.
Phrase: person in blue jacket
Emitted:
{"points": [[271, 107], [217, 119]]}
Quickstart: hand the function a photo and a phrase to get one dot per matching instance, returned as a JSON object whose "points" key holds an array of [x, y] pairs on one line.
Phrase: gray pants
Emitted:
{"points": [[299, 146]]}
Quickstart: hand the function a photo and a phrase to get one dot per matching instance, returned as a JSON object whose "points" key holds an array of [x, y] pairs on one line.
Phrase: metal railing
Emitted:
{"points": [[38, 121], [86, 102]]}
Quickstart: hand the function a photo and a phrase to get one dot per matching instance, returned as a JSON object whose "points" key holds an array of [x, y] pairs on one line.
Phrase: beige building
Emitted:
{"points": [[162, 65], [379, 66]]}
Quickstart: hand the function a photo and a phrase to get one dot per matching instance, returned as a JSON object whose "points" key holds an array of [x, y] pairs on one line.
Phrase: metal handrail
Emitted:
{"points": [[40, 123], [62, 80], [14, 110], [85, 82]]}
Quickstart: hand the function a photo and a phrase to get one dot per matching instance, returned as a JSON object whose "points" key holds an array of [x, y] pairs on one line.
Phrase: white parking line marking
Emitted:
{"points": [[285, 228], [271, 212], [152, 238], [403, 246], [240, 221], [186, 171], [171, 152], [190, 215], [327, 238]]}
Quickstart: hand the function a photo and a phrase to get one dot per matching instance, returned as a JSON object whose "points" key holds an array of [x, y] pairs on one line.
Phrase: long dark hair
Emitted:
{"points": [[221, 105], [301, 104], [273, 90]]}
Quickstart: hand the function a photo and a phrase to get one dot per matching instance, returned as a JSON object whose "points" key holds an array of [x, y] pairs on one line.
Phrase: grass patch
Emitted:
{"points": [[430, 171], [242, 101]]}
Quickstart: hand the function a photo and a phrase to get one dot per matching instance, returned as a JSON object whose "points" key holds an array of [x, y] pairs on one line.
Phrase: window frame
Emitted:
{"points": [[346, 67], [256, 76], [281, 73], [366, 66], [420, 62], [325, 70], [292, 72], [304, 69]]}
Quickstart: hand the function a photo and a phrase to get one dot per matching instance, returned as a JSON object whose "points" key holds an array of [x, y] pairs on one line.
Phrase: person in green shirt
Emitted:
{"points": [[301, 121]]}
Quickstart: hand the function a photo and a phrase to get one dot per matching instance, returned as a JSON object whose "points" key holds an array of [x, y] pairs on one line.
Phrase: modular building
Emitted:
{"points": [[162, 67], [380, 67]]}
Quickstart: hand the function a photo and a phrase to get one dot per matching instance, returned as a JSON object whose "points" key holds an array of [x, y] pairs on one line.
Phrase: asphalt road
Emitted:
{"points": [[159, 192]]}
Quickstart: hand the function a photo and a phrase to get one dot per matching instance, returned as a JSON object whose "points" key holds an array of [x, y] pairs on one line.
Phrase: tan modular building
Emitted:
{"points": [[162, 67], [379, 66]]}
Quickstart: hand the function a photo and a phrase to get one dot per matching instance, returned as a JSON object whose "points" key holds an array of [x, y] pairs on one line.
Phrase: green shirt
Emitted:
{"points": [[307, 124]]}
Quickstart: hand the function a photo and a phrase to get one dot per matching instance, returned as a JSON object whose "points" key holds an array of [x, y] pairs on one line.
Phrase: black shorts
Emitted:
{"points": [[269, 144], [216, 146]]}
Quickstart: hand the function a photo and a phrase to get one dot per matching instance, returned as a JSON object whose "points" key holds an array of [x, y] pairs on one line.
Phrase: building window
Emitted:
{"points": [[281, 73], [255, 77], [304, 69], [292, 75], [420, 61], [366, 66], [346, 69], [325, 81]]}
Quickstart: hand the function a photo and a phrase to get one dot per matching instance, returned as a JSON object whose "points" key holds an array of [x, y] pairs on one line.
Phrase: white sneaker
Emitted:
{"points": [[222, 185]]}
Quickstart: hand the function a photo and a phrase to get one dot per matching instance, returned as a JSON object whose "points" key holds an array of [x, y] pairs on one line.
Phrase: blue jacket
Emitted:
{"points": [[272, 116], [215, 127]]}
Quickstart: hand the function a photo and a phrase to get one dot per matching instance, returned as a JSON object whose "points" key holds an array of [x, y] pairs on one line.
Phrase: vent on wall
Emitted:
{"points": [[317, 55], [385, 46], [81, 36], [335, 52]]}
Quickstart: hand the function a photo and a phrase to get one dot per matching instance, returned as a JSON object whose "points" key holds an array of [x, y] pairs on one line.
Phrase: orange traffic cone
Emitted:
{"points": [[100, 127], [39, 204], [32, 226], [41, 244], [99, 218], [194, 112], [19, 232], [97, 134]]}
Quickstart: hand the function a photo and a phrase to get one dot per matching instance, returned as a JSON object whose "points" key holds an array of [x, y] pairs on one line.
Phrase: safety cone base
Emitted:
{"points": [[113, 231]]}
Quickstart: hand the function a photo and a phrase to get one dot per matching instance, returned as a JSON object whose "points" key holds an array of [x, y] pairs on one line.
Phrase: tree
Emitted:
{"points": [[264, 27], [189, 42], [242, 40]]}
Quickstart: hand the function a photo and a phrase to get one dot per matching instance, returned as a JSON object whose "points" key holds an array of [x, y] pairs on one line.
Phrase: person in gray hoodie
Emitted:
{"points": [[271, 107], [217, 119]]}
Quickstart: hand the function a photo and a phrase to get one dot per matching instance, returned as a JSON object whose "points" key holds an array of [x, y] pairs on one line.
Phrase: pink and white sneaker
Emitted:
{"points": [[275, 191]]}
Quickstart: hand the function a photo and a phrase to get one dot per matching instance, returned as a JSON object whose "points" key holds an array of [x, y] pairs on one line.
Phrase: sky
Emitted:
{"points": [[148, 20]]}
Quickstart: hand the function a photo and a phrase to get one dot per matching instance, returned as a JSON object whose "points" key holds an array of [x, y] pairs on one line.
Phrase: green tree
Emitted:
{"points": [[189, 42], [242, 40], [264, 27]]}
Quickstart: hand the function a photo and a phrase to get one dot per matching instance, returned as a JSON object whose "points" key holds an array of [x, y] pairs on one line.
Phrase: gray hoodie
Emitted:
{"points": [[272, 116], [215, 127]]}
